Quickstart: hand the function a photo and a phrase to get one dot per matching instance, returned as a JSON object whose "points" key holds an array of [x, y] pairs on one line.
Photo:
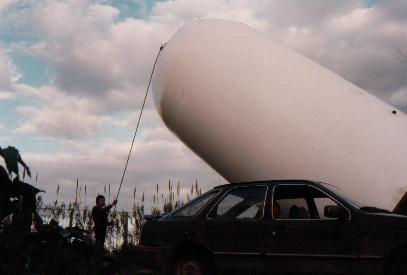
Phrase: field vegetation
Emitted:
{"points": [[126, 228]]}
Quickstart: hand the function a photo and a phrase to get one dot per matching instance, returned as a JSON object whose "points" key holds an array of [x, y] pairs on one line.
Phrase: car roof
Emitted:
{"points": [[271, 182]]}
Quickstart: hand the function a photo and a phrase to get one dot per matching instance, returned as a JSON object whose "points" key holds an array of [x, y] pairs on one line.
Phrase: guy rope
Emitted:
{"points": [[138, 122]]}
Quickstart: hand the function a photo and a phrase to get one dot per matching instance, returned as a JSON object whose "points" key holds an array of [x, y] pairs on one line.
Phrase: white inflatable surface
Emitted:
{"points": [[254, 109]]}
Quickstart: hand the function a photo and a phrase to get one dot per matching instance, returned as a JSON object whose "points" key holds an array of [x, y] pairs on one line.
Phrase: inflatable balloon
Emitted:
{"points": [[254, 110]]}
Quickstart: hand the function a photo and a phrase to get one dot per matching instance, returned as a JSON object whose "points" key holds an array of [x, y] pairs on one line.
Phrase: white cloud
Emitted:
{"points": [[153, 161], [58, 122], [361, 44], [6, 3], [8, 72], [90, 53], [61, 116], [354, 21], [6, 95], [399, 98]]}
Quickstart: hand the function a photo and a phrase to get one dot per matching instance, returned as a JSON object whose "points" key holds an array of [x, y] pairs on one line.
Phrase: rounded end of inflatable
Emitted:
{"points": [[180, 62]]}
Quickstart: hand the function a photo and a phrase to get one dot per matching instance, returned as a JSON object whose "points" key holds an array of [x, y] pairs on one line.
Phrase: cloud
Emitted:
{"points": [[8, 72], [61, 116], [4, 4], [154, 160], [6, 95], [399, 98], [90, 52], [362, 44], [58, 121]]}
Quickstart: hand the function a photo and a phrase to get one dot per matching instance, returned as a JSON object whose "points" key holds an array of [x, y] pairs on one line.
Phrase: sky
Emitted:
{"points": [[73, 76]]}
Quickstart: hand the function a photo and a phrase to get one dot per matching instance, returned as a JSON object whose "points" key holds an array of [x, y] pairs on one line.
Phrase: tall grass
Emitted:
{"points": [[126, 225]]}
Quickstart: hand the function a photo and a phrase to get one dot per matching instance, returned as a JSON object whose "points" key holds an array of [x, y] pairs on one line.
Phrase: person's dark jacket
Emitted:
{"points": [[99, 216]]}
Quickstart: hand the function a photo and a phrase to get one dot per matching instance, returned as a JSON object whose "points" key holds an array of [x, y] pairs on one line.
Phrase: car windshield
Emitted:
{"points": [[336, 190]]}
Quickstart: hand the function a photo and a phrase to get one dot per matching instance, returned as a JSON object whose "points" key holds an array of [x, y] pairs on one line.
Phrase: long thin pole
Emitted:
{"points": [[138, 122]]}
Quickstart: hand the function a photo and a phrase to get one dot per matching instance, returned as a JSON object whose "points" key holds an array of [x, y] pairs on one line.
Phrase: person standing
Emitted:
{"points": [[99, 215]]}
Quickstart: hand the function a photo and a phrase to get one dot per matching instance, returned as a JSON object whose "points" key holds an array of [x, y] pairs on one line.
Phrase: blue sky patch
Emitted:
{"points": [[34, 71], [135, 9], [371, 3]]}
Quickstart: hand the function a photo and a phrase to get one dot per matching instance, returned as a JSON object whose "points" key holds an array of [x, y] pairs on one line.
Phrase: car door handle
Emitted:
{"points": [[278, 228]]}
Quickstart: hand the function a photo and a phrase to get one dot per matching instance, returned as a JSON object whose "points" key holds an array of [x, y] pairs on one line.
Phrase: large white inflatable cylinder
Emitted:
{"points": [[254, 109]]}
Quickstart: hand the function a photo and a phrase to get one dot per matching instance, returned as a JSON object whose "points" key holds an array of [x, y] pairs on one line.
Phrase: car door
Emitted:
{"points": [[235, 229], [181, 225], [301, 239]]}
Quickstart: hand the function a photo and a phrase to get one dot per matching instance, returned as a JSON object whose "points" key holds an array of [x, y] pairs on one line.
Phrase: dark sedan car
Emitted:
{"points": [[275, 227]]}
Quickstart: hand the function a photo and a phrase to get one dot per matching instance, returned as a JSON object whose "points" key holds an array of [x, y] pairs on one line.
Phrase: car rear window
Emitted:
{"points": [[241, 203], [192, 208]]}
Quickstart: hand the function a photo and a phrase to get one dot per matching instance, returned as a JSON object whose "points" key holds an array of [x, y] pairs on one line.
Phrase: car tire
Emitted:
{"points": [[399, 265], [192, 264]]}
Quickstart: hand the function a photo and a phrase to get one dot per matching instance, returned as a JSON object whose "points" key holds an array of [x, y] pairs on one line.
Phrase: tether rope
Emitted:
{"points": [[138, 122]]}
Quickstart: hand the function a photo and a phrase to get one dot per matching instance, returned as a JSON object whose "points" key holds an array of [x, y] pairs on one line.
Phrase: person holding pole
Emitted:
{"points": [[99, 215]]}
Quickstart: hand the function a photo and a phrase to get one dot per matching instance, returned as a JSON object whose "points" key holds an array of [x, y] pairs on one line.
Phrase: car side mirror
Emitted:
{"points": [[336, 211]]}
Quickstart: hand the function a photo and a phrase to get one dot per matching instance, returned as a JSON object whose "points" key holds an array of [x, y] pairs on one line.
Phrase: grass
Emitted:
{"points": [[127, 225]]}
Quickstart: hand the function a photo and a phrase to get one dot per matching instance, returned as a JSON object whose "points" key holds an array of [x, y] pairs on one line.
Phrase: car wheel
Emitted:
{"points": [[399, 266], [192, 265]]}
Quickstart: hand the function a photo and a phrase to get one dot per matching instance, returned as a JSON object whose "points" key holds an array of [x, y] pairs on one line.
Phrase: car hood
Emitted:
{"points": [[373, 221]]}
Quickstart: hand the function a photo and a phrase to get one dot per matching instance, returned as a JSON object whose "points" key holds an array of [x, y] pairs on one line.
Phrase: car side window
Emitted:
{"points": [[194, 206], [241, 203], [292, 208], [291, 202]]}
